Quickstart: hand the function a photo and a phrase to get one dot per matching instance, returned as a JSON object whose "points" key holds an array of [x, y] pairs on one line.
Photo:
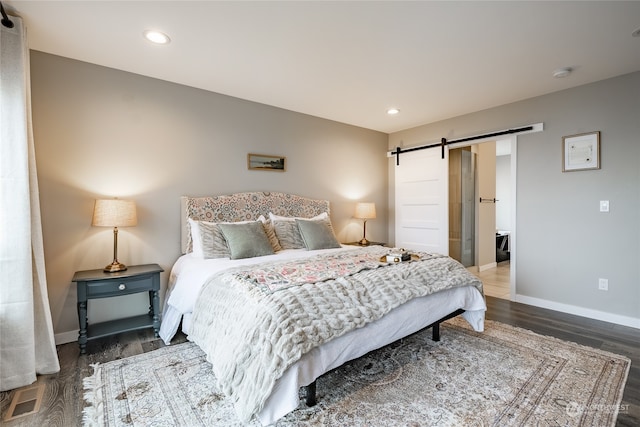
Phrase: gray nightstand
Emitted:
{"points": [[98, 284]]}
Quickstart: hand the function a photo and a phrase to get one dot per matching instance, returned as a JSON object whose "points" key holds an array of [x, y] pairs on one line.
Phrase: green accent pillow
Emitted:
{"points": [[317, 235], [246, 240]]}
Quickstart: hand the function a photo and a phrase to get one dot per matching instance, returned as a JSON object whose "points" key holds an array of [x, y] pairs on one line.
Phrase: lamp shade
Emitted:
{"points": [[114, 213], [365, 210]]}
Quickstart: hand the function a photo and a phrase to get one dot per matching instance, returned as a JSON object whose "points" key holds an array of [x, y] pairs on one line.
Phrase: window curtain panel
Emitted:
{"points": [[27, 344]]}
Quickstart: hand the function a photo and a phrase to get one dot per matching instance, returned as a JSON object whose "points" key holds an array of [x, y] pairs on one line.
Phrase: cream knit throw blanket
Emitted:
{"points": [[251, 337]]}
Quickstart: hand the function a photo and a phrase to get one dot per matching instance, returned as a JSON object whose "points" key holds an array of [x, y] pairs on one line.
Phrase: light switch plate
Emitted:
{"points": [[604, 206], [603, 284]]}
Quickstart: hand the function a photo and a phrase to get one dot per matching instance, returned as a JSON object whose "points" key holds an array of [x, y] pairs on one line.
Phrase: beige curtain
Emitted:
{"points": [[27, 345]]}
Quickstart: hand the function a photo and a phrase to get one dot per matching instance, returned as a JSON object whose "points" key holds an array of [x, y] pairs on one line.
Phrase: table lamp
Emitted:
{"points": [[365, 211], [114, 213]]}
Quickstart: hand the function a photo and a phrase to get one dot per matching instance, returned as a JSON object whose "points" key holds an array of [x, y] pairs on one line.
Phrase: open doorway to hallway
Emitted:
{"points": [[480, 217], [497, 280]]}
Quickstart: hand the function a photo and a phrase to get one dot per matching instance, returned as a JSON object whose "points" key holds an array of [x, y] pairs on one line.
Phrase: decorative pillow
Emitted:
{"points": [[246, 240], [209, 242], [287, 230], [271, 233], [212, 243], [317, 234], [288, 235]]}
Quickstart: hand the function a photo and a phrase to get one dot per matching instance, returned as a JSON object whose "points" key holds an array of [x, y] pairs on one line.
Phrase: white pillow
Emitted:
{"points": [[274, 217], [196, 240]]}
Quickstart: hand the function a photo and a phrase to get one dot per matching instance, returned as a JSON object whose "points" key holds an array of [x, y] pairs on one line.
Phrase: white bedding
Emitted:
{"points": [[190, 273]]}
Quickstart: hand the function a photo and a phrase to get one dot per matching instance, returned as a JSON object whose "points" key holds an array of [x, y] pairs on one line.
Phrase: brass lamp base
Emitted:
{"points": [[114, 267], [363, 242]]}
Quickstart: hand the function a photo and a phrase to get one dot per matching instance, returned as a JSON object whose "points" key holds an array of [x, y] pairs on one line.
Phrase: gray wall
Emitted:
{"points": [[103, 133], [564, 244]]}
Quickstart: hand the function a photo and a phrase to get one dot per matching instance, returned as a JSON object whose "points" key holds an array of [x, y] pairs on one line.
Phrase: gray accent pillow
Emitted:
{"points": [[317, 234], [288, 234], [246, 240], [213, 242]]}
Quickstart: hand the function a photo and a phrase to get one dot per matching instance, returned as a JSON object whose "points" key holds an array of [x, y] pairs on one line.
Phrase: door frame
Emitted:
{"points": [[513, 139], [512, 234], [538, 127]]}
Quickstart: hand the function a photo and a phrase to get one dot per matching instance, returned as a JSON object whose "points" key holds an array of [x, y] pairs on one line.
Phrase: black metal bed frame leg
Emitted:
{"points": [[310, 398], [310, 390], [435, 332]]}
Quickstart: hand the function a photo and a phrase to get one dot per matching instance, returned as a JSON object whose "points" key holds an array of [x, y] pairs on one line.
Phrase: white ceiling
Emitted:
{"points": [[350, 61]]}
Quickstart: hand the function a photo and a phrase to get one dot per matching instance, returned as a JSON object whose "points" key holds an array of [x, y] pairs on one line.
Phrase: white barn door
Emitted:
{"points": [[422, 197]]}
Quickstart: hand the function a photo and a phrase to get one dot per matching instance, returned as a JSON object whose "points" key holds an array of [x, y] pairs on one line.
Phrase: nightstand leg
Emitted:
{"points": [[154, 310], [82, 319]]}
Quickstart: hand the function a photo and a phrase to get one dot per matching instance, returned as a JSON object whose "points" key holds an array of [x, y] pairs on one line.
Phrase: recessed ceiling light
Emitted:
{"points": [[562, 72], [156, 37], [392, 111]]}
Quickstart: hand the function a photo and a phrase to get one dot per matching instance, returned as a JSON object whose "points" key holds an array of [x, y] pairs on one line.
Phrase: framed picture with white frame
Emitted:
{"points": [[581, 152]]}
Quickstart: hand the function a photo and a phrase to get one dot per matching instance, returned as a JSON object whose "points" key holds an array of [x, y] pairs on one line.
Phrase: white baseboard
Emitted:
{"points": [[488, 266], [66, 337], [632, 322]]}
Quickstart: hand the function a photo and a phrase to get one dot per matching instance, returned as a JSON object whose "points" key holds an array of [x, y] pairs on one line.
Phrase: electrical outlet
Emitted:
{"points": [[604, 206], [603, 284]]}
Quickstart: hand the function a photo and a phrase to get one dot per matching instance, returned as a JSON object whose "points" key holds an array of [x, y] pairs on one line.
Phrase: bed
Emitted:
{"points": [[302, 287]]}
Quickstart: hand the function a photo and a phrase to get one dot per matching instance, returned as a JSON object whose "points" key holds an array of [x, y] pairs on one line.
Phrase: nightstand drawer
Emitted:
{"points": [[124, 286]]}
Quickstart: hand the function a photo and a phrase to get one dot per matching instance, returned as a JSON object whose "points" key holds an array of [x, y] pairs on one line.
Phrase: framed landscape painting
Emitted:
{"points": [[266, 162]]}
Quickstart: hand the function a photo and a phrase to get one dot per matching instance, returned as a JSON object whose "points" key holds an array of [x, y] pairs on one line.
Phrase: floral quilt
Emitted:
{"points": [[274, 277]]}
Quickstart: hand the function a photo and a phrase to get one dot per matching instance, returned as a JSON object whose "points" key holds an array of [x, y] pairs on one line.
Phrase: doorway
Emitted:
{"points": [[480, 204], [498, 279]]}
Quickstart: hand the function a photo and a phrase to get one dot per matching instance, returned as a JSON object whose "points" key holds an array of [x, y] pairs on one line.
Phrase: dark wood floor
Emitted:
{"points": [[62, 403]]}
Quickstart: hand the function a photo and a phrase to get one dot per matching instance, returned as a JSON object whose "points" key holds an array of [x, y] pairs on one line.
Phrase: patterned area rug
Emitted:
{"points": [[504, 376]]}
